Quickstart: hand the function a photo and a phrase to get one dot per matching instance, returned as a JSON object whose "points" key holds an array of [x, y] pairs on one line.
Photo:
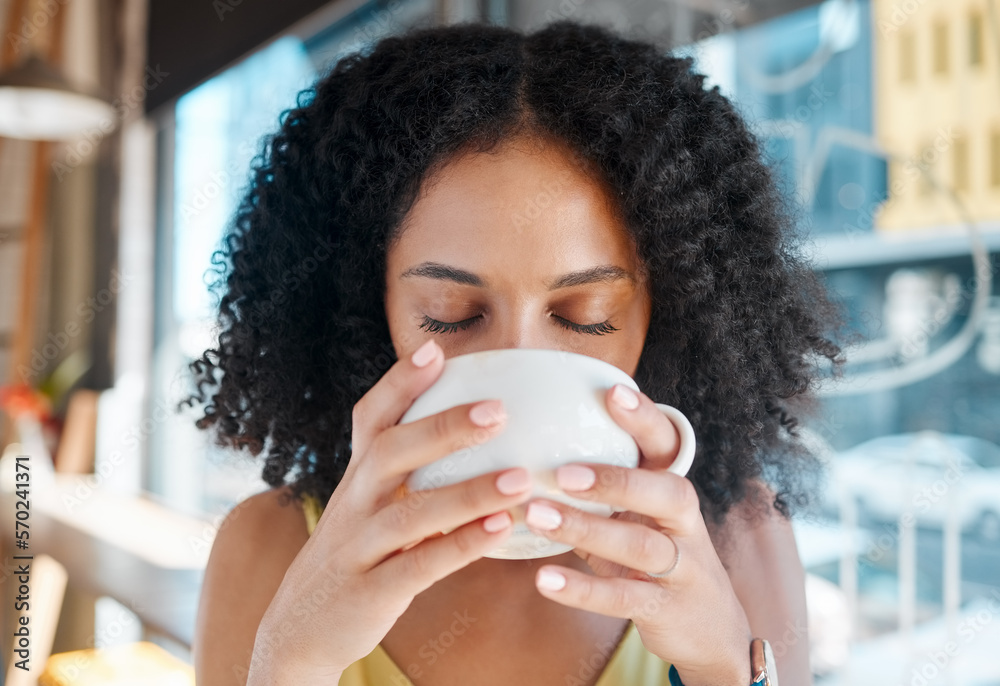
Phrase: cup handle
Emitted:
{"points": [[685, 454]]}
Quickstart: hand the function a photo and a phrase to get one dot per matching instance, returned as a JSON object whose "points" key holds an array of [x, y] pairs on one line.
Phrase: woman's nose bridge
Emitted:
{"points": [[523, 323]]}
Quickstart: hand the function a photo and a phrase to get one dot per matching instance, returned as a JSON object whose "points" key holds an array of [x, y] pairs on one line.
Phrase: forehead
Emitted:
{"points": [[528, 205]]}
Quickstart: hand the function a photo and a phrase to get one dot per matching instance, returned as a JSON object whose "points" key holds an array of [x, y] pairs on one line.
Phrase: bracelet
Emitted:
{"points": [[762, 667], [763, 671]]}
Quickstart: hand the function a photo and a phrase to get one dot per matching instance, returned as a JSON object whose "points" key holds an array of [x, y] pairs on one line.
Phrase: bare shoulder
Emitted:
{"points": [[267, 519], [253, 548]]}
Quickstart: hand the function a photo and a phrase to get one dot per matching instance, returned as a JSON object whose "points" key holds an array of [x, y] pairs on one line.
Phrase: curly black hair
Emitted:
{"points": [[740, 323]]}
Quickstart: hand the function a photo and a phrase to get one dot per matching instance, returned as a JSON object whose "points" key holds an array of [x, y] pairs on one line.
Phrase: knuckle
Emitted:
{"points": [[367, 465], [641, 547], [418, 562], [630, 484], [415, 505], [441, 427], [585, 591], [363, 476], [464, 542], [610, 479], [470, 496], [687, 494], [356, 502], [620, 599]]}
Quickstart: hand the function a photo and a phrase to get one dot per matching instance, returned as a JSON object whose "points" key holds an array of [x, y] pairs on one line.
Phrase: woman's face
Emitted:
{"points": [[517, 248]]}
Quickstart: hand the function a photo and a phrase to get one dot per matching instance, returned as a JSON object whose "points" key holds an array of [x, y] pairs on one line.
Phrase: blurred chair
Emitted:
{"points": [[122, 665]]}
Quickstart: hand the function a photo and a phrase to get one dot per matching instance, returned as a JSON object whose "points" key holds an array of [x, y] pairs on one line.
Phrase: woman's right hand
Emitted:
{"points": [[372, 551]]}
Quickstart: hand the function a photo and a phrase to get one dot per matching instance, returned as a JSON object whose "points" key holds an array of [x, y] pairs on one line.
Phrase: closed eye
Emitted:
{"points": [[434, 326]]}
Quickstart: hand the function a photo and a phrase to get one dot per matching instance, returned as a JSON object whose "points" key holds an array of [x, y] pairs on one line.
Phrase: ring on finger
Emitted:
{"points": [[669, 570]]}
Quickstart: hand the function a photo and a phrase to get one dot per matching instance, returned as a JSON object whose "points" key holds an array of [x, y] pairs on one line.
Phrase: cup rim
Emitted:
{"points": [[542, 352]]}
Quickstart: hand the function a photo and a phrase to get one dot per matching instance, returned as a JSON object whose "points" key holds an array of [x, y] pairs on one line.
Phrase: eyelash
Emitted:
{"points": [[434, 326]]}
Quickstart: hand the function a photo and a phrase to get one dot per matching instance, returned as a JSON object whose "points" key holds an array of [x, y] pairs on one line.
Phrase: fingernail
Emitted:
{"points": [[425, 354], [487, 413], [550, 581], [542, 517], [497, 522], [513, 481], [575, 477], [625, 397]]}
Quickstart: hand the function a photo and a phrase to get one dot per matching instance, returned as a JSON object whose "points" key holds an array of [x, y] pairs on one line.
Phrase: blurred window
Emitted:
{"points": [[939, 46], [218, 129], [976, 39], [907, 55], [995, 158], [960, 159]]}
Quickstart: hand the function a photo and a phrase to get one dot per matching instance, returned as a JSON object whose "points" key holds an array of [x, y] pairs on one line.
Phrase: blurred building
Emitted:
{"points": [[936, 106]]}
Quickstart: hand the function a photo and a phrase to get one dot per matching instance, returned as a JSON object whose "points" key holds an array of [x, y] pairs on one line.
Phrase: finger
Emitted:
{"points": [[628, 543], [385, 402], [416, 569], [424, 513], [400, 449], [670, 500], [612, 596], [656, 436]]}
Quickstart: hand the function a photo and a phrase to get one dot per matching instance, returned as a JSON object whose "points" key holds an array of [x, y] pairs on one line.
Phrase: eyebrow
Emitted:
{"points": [[605, 273]]}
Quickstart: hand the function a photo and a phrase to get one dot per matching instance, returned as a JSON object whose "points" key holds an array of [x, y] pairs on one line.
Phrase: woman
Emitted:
{"points": [[466, 188]]}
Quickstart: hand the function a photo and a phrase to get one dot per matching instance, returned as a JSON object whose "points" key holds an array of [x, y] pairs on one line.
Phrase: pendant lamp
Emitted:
{"points": [[38, 103]]}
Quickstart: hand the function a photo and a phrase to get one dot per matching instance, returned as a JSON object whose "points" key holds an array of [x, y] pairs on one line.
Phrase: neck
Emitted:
{"points": [[510, 579], [492, 608], [503, 591]]}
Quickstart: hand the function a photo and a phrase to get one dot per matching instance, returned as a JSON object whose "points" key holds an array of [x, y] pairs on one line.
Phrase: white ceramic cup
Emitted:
{"points": [[556, 414]]}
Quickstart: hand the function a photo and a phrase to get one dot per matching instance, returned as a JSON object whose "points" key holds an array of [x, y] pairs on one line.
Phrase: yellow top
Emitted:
{"points": [[630, 663]]}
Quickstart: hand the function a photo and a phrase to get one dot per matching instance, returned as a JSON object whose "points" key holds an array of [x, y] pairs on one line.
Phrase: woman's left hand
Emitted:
{"points": [[690, 617]]}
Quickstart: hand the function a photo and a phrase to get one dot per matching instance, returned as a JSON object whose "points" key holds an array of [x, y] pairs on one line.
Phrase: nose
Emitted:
{"points": [[521, 325]]}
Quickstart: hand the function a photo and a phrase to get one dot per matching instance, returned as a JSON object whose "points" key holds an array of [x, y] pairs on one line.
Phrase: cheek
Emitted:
{"points": [[633, 344]]}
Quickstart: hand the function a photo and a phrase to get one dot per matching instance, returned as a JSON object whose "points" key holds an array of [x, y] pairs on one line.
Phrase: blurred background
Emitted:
{"points": [[127, 128]]}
